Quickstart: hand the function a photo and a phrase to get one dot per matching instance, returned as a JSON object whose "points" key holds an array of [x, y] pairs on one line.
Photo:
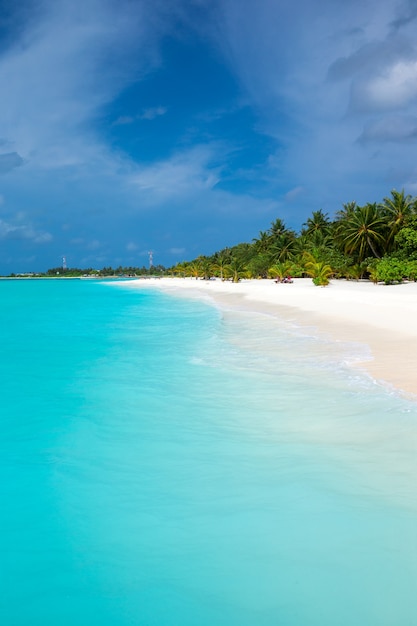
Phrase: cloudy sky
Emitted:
{"points": [[185, 126]]}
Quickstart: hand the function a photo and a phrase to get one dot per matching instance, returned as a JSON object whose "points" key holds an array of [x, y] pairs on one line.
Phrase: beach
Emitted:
{"points": [[382, 317]]}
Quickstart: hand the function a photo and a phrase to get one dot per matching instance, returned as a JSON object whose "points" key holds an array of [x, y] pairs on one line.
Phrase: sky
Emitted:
{"points": [[183, 127]]}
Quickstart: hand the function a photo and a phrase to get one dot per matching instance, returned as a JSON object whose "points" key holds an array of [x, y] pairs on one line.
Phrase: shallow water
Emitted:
{"points": [[165, 463]]}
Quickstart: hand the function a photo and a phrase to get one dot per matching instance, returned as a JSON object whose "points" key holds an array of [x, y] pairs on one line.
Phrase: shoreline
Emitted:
{"points": [[382, 317]]}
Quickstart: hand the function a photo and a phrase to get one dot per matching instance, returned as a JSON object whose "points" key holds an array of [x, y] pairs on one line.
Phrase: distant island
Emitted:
{"points": [[105, 272]]}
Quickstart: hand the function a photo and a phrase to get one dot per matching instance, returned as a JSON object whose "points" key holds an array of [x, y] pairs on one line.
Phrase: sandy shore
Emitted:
{"points": [[382, 317]]}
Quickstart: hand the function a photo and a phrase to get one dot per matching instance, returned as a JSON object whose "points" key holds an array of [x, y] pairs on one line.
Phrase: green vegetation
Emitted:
{"points": [[122, 272], [377, 241]]}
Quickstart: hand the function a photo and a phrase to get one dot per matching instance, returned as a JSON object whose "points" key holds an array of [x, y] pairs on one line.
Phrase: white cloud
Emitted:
{"points": [[186, 173], [146, 114], [16, 230], [93, 245], [152, 113], [294, 193], [40, 237], [123, 120], [396, 88]]}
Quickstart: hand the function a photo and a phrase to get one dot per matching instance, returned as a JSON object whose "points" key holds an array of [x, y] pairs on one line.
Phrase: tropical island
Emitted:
{"points": [[376, 241]]}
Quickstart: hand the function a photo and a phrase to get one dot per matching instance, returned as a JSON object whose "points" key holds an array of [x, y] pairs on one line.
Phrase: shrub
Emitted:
{"points": [[392, 270]]}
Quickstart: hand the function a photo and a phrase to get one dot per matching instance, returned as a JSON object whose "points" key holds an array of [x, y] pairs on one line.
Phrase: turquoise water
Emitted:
{"points": [[164, 463]]}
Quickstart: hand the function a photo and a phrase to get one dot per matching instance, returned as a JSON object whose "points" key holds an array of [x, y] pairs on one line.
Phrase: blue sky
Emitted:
{"points": [[185, 126]]}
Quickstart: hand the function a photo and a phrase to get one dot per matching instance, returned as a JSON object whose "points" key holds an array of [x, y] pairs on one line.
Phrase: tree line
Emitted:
{"points": [[120, 271], [377, 241]]}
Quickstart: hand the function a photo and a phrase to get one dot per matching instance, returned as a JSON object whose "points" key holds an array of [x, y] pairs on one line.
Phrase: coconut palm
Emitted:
{"points": [[355, 271], [180, 269], [193, 269], [397, 209], [277, 228], [280, 270], [347, 211], [315, 240], [361, 232], [262, 242], [205, 266], [373, 273], [235, 270], [283, 247], [218, 267], [319, 222], [319, 271]]}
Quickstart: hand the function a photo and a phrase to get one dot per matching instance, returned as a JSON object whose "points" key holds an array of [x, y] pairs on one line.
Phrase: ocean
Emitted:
{"points": [[167, 463]]}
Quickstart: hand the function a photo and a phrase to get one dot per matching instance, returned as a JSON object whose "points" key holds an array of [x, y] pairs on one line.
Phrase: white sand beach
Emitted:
{"points": [[380, 316]]}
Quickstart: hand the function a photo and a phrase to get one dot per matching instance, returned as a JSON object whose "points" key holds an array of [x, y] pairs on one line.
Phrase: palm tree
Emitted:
{"points": [[235, 270], [397, 209], [319, 271], [262, 242], [193, 269], [218, 267], [180, 269], [277, 228], [205, 266], [280, 270], [319, 222], [362, 231], [283, 247], [348, 210], [315, 240], [355, 271], [373, 273]]}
